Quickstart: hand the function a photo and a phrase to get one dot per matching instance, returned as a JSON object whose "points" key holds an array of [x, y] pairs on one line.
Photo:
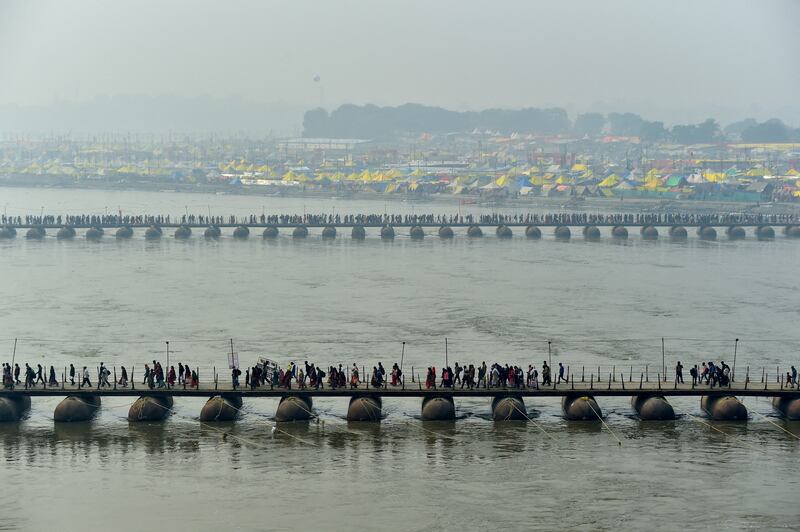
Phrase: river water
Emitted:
{"points": [[605, 304]]}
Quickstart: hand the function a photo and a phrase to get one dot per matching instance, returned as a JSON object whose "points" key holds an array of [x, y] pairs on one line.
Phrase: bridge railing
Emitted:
{"points": [[220, 377]]}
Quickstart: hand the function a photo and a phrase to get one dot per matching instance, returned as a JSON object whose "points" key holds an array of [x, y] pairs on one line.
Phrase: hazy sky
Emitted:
{"points": [[660, 58]]}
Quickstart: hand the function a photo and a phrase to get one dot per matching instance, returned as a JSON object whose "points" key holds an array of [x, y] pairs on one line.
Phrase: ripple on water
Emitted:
{"points": [[339, 302]]}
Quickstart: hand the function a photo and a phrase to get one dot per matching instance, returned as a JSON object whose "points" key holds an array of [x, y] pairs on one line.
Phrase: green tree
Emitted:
{"points": [[652, 131], [773, 130], [591, 124], [625, 124]]}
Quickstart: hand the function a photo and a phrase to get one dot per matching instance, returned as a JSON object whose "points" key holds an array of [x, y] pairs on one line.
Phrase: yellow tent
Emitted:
{"points": [[418, 172], [579, 167], [714, 177], [792, 172], [289, 176], [652, 182], [503, 181], [611, 181]]}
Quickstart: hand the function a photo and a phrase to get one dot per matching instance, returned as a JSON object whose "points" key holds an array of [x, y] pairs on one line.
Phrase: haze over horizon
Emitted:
{"points": [[672, 61]]}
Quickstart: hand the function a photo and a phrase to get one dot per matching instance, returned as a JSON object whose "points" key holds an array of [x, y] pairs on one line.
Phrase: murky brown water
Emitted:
{"points": [[606, 303]]}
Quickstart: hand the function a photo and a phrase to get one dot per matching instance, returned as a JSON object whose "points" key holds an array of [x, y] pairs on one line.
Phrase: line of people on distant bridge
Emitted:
{"points": [[409, 219]]}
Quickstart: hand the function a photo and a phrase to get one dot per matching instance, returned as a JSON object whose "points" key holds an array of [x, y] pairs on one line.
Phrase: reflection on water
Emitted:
{"points": [[460, 460]]}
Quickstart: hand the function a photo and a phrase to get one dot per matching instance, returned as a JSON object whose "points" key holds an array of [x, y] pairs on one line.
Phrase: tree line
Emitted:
{"points": [[386, 123]]}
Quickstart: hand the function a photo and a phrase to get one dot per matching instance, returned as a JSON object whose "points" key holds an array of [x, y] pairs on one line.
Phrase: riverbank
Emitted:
{"points": [[443, 201]]}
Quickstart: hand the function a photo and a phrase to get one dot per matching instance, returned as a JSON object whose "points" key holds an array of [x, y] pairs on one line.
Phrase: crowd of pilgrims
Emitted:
{"points": [[111, 220], [495, 376], [311, 376], [154, 376]]}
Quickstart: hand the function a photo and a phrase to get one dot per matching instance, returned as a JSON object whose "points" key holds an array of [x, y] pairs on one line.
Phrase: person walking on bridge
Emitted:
{"points": [[103, 376], [560, 373], [86, 381], [430, 378], [469, 377], [705, 374], [16, 374], [151, 377], [235, 372], [320, 378], [39, 376], [532, 380], [679, 373], [252, 378], [158, 369], [30, 377], [546, 380], [482, 374], [457, 372]]}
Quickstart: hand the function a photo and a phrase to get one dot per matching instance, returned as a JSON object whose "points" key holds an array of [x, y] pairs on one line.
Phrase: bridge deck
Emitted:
{"points": [[617, 389]]}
